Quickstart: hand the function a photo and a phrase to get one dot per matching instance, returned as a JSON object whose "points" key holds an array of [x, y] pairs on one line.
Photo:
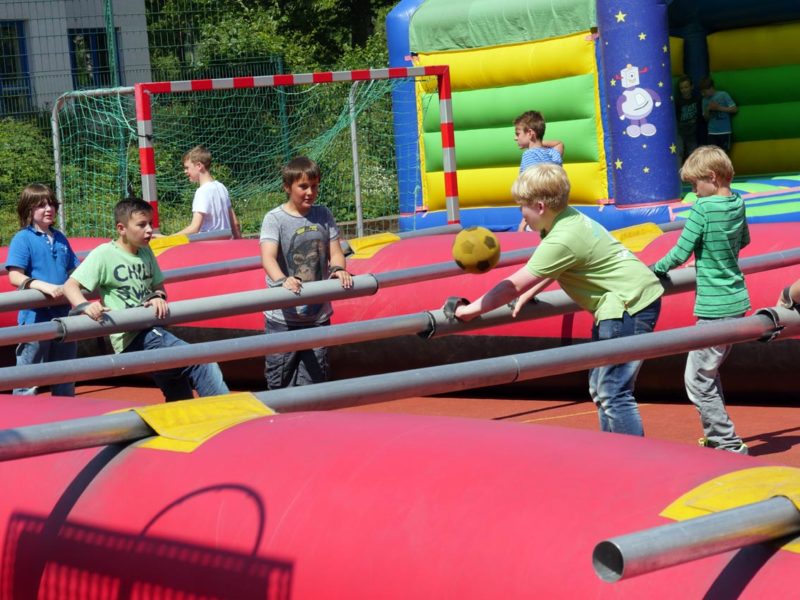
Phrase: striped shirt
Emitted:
{"points": [[535, 156], [715, 232]]}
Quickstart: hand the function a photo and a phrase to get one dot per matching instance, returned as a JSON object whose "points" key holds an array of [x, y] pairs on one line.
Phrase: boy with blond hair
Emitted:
{"points": [[596, 271], [211, 207], [716, 230]]}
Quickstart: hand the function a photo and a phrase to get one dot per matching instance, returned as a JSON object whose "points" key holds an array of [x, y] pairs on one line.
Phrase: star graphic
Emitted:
{"points": [[646, 170], [673, 148], [618, 164], [644, 146], [664, 48], [613, 83], [660, 84], [643, 36], [620, 17]]}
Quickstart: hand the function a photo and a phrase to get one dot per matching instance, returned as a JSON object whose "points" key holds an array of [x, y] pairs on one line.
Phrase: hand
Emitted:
{"points": [[455, 309], [293, 284], [160, 306], [713, 106], [522, 301], [345, 277], [95, 311], [54, 291]]}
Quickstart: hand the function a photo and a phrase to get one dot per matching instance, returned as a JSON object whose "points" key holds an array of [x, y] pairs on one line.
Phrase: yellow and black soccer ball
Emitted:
{"points": [[476, 249]]}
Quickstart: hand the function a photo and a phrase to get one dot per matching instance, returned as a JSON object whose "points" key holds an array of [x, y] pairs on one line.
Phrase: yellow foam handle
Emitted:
{"points": [[736, 489], [183, 426], [368, 246], [161, 244], [637, 237]]}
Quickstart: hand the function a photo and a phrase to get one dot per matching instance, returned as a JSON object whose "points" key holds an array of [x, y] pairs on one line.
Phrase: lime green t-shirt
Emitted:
{"points": [[123, 280], [593, 268]]}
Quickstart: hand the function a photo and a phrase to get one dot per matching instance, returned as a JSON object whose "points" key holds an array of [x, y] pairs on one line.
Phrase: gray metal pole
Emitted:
{"points": [[441, 379], [676, 543], [36, 299], [351, 103]]}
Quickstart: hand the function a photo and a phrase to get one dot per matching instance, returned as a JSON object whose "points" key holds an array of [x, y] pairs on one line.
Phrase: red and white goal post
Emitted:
{"points": [[145, 91]]}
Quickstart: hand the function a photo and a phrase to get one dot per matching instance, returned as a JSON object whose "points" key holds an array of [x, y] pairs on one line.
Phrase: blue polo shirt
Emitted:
{"points": [[31, 251]]}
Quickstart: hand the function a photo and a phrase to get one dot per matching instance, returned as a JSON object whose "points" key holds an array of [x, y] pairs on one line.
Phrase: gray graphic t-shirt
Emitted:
{"points": [[303, 244]]}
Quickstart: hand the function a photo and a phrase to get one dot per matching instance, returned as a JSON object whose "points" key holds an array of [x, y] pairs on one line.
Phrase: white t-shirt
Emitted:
{"points": [[213, 201]]}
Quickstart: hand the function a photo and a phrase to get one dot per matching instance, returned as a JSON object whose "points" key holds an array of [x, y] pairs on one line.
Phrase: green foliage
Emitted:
{"points": [[26, 156]]}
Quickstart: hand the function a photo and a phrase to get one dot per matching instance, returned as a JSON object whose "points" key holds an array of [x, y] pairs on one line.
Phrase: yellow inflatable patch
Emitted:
{"points": [[368, 246], [161, 244], [736, 489], [183, 426], [637, 237]]}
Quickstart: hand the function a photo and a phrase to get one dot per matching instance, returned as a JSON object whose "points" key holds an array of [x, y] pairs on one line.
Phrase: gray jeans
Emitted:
{"points": [[704, 388]]}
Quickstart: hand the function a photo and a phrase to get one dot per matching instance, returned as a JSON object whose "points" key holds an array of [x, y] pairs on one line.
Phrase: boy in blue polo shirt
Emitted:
{"points": [[40, 258]]}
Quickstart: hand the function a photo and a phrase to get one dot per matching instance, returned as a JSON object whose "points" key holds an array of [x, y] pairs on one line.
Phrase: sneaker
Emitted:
{"points": [[740, 449], [706, 443]]}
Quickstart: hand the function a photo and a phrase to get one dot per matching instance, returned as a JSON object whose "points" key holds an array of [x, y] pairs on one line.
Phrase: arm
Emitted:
{"points": [[684, 248], [158, 300], [531, 293], [73, 293], [557, 145], [269, 260], [522, 225], [236, 230], [790, 297], [17, 277], [505, 291], [338, 264], [194, 226]]}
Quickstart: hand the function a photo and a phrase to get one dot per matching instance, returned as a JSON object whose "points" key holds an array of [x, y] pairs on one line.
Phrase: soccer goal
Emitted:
{"points": [[252, 125]]}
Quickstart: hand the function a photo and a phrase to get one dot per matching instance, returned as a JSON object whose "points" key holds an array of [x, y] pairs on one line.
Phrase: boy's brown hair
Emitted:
{"points": [[704, 161], [297, 167], [125, 209], [198, 154], [31, 198], [532, 120], [546, 183], [705, 84]]}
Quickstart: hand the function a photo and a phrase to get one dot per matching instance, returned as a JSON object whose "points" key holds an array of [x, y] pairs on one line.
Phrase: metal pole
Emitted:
{"points": [[80, 327], [447, 378], [676, 543], [351, 103]]}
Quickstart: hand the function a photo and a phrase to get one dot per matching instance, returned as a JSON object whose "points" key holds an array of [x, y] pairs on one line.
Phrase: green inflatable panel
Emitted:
{"points": [[767, 122], [456, 24], [558, 100], [482, 148], [769, 85]]}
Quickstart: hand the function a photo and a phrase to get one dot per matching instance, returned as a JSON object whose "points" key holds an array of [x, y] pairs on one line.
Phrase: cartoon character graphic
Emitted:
{"points": [[306, 259], [636, 103]]}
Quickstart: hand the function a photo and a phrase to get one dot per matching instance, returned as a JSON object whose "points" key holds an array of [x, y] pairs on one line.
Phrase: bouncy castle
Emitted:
{"points": [[602, 73]]}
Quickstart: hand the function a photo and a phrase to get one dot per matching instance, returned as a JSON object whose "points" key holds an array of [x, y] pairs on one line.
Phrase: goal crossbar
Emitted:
{"points": [[143, 93]]}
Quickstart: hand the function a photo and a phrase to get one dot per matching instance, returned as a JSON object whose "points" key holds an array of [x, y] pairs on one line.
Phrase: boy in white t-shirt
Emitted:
{"points": [[211, 208]]}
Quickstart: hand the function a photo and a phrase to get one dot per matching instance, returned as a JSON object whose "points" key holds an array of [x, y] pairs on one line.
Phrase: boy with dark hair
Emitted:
{"points": [[596, 271], [127, 275], [40, 258], [716, 230], [211, 207], [300, 243], [688, 112], [529, 130], [718, 106]]}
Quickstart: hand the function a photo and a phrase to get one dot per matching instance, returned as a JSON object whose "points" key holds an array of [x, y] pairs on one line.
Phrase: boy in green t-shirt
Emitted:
{"points": [[127, 275], [716, 230], [596, 271]]}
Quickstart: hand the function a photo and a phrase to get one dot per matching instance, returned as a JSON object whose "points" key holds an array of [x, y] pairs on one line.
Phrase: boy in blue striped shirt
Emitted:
{"points": [[716, 230]]}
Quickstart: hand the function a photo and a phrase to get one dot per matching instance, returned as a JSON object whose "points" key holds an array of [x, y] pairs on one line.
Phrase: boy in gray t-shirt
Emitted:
{"points": [[300, 243]]}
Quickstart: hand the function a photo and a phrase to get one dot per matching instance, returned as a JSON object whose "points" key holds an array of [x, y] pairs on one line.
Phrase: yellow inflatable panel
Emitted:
{"points": [[736, 489], [183, 426], [162, 244], [765, 156], [497, 66], [751, 47], [676, 55], [479, 188], [638, 237], [368, 246]]}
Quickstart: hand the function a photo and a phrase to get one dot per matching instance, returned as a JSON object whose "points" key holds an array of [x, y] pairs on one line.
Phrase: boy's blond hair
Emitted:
{"points": [[546, 183], [199, 154], [532, 120], [704, 161]]}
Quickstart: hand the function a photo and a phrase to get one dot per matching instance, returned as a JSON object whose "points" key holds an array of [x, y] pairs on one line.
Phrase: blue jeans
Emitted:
{"points": [[611, 387], [178, 383], [34, 353]]}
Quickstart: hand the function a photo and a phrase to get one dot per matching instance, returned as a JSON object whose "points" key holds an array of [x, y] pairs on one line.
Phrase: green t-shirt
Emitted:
{"points": [[593, 268], [123, 280], [715, 231]]}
